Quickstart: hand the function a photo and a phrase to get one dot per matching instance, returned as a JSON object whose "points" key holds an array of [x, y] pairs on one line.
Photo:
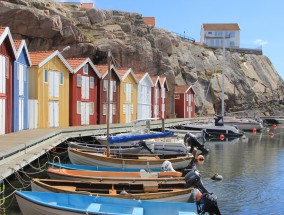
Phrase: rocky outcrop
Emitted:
{"points": [[250, 80]]}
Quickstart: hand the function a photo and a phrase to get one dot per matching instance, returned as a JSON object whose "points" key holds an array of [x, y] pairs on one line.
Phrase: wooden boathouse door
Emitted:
{"points": [[21, 79], [53, 95], [85, 106], [2, 116], [53, 113], [3, 72]]}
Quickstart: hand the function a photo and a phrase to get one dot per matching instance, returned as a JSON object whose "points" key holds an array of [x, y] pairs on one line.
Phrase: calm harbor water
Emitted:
{"points": [[253, 174]]}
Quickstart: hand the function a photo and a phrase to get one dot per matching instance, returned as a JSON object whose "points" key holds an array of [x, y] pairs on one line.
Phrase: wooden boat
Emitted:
{"points": [[101, 168], [103, 176], [102, 149], [42, 203], [163, 191], [85, 157]]}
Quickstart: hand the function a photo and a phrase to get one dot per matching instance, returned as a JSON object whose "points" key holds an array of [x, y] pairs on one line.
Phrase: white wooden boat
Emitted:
{"points": [[244, 124], [85, 157], [43, 203], [102, 149]]}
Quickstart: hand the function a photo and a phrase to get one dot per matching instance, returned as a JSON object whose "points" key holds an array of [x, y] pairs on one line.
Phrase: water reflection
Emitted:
{"points": [[253, 171]]}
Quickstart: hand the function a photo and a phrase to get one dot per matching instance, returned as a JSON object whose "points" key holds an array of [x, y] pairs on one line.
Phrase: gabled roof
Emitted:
{"points": [[42, 57], [156, 80], [20, 45], [103, 70], [141, 76], [164, 82], [221, 26], [124, 72], [5, 32], [78, 63], [183, 89]]}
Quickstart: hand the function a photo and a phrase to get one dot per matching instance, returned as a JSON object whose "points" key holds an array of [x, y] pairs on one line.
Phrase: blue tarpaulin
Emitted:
{"points": [[126, 138]]}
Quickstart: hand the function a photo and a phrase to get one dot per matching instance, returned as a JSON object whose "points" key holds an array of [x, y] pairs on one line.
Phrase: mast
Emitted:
{"points": [[224, 56], [108, 98]]}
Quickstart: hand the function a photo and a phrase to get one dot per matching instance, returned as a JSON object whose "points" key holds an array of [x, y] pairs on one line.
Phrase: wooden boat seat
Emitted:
{"points": [[151, 187], [148, 158], [68, 188]]}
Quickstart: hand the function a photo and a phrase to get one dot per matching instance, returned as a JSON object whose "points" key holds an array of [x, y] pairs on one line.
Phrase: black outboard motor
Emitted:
{"points": [[208, 201], [143, 144], [192, 141], [193, 179], [208, 204], [219, 121]]}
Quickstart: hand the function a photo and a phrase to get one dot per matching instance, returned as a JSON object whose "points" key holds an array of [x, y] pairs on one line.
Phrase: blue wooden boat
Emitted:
{"points": [[43, 203], [101, 168]]}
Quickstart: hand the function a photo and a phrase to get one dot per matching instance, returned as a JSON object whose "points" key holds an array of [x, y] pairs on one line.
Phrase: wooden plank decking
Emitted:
{"points": [[20, 148]]}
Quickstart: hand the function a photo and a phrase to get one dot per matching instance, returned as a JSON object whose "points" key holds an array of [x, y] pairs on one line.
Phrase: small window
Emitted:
{"points": [[209, 32], [91, 105], [61, 78], [105, 85], [79, 80], [46, 76], [85, 69], [78, 107], [104, 109], [113, 109], [176, 96], [114, 86], [92, 82]]}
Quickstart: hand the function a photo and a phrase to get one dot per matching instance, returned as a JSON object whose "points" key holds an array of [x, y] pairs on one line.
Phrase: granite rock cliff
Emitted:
{"points": [[250, 80]]}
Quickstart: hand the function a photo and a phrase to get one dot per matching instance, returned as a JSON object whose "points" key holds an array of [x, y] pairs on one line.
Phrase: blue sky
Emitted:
{"points": [[261, 21]]}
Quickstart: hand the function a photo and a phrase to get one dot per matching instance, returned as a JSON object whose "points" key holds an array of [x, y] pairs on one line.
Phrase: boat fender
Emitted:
{"points": [[167, 167], [123, 192], [217, 177]]}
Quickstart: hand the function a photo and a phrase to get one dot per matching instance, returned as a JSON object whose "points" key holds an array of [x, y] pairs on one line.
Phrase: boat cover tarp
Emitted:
{"points": [[133, 137]]}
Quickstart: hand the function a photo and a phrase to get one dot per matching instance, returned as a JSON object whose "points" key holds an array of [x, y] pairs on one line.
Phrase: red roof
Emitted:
{"points": [[38, 57], [139, 75], [75, 62], [122, 71], [102, 69], [154, 79], [150, 21], [181, 89], [221, 27], [2, 29]]}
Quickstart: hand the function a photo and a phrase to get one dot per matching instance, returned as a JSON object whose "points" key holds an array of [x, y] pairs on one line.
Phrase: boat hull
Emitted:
{"points": [[82, 158], [72, 204], [174, 196]]}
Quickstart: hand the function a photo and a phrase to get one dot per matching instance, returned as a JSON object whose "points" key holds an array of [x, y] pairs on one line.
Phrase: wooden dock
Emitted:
{"points": [[21, 148]]}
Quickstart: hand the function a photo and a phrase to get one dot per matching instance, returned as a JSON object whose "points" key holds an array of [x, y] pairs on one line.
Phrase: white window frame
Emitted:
{"points": [[92, 82], [61, 78], [92, 108], [45, 78], [104, 109], [85, 69], [105, 85], [79, 80]]}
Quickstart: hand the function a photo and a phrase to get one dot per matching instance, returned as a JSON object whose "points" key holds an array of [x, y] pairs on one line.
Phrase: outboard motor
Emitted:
{"points": [[143, 144], [192, 141], [219, 121], [193, 179], [207, 203]]}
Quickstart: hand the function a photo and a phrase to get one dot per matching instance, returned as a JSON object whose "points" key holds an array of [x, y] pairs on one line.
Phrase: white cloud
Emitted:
{"points": [[260, 42]]}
